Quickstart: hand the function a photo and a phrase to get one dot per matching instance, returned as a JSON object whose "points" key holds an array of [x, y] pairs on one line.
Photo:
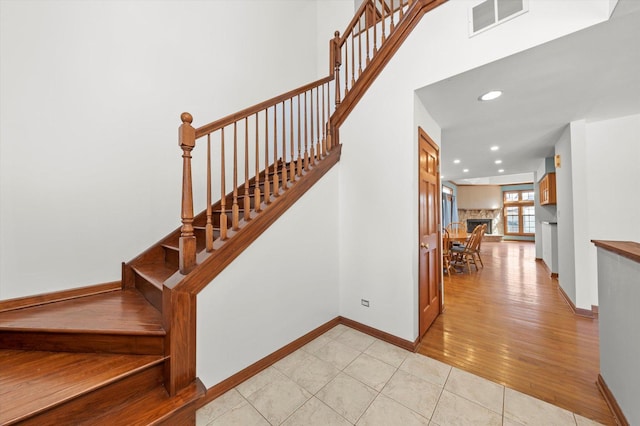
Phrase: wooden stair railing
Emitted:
{"points": [[279, 149]]}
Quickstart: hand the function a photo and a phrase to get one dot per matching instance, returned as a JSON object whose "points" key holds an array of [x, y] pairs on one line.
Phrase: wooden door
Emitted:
{"points": [[429, 239]]}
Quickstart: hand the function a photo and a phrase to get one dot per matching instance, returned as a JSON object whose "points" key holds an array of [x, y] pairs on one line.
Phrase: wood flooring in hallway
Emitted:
{"points": [[508, 323]]}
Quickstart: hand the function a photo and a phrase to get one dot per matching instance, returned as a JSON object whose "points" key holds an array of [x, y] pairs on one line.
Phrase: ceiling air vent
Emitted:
{"points": [[489, 13]]}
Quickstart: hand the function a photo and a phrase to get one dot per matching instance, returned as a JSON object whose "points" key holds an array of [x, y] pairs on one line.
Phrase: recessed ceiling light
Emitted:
{"points": [[501, 171], [465, 170], [498, 161], [490, 95], [495, 148], [456, 161]]}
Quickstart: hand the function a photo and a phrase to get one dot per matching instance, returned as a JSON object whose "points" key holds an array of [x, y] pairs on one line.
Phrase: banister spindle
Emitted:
{"points": [[353, 57], [359, 47], [267, 190], [209, 226], [306, 142], [328, 122], [324, 126], [247, 199], [292, 163], [393, 12], [346, 67], [235, 210], [223, 193], [299, 165], [367, 30], [383, 6], [187, 242], [375, 29], [256, 191], [312, 149], [276, 184], [284, 169], [318, 141]]}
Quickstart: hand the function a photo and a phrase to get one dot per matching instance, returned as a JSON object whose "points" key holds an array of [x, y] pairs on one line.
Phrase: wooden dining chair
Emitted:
{"points": [[456, 227], [446, 253], [466, 255]]}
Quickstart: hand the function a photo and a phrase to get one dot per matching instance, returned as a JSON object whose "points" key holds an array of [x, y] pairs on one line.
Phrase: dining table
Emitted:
{"points": [[458, 236]]}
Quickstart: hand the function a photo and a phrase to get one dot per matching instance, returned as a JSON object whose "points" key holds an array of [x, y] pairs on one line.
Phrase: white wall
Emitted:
{"points": [[613, 211], [565, 213], [283, 286], [378, 192], [91, 98]]}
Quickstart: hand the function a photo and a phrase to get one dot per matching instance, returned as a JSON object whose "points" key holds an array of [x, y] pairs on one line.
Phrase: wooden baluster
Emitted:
{"points": [[187, 242], [324, 126], [346, 67], [209, 226], [318, 141], [284, 151], [223, 193], [401, 10], [235, 210], [292, 163], [367, 29], [336, 62], [374, 21], [353, 58], [328, 122], [393, 12], [359, 48], [312, 148], [247, 199], [276, 181], [383, 6], [306, 142], [267, 189], [256, 191], [299, 140]]}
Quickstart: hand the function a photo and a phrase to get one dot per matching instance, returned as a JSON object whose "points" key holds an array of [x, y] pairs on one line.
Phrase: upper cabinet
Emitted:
{"points": [[548, 189]]}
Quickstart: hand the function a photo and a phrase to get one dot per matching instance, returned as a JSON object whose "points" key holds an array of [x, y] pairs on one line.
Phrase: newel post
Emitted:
{"points": [[336, 61], [187, 141]]}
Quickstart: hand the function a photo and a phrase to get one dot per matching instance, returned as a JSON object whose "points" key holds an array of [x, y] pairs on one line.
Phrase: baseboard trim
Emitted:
{"points": [[58, 296], [544, 264], [233, 381], [374, 332], [586, 313], [611, 401], [243, 375]]}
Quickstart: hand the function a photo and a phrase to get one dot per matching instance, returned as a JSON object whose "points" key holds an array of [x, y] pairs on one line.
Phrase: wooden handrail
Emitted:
{"points": [[247, 112]]}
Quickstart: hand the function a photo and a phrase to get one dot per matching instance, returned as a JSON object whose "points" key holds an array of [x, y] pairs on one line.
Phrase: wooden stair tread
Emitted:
{"points": [[35, 381], [153, 407], [117, 312], [154, 273]]}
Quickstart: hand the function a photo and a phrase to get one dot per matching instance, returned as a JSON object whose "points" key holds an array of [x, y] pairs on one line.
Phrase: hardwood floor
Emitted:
{"points": [[508, 323]]}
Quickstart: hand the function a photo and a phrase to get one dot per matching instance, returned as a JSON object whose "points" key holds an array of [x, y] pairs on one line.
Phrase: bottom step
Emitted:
{"points": [[49, 388]]}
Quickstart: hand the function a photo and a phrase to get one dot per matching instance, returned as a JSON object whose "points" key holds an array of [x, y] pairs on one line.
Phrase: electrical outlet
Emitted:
{"points": [[364, 302]]}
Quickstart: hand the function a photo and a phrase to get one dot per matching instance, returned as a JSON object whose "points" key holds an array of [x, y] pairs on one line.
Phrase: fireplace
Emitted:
{"points": [[472, 223]]}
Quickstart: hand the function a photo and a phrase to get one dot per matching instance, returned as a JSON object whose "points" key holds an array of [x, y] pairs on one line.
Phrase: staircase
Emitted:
{"points": [[125, 353]]}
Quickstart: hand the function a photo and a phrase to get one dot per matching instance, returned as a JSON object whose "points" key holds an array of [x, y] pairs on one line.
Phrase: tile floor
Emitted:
{"points": [[345, 377]]}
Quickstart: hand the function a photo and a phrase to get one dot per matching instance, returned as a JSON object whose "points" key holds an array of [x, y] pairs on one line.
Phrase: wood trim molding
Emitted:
{"points": [[384, 336], [58, 296], [233, 381], [611, 401], [628, 249], [577, 311]]}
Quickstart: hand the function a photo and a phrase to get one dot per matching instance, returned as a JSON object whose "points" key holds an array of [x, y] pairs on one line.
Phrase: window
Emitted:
{"points": [[519, 213]]}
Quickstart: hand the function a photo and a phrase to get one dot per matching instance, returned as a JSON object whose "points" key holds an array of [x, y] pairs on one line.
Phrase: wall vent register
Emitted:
{"points": [[490, 13]]}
